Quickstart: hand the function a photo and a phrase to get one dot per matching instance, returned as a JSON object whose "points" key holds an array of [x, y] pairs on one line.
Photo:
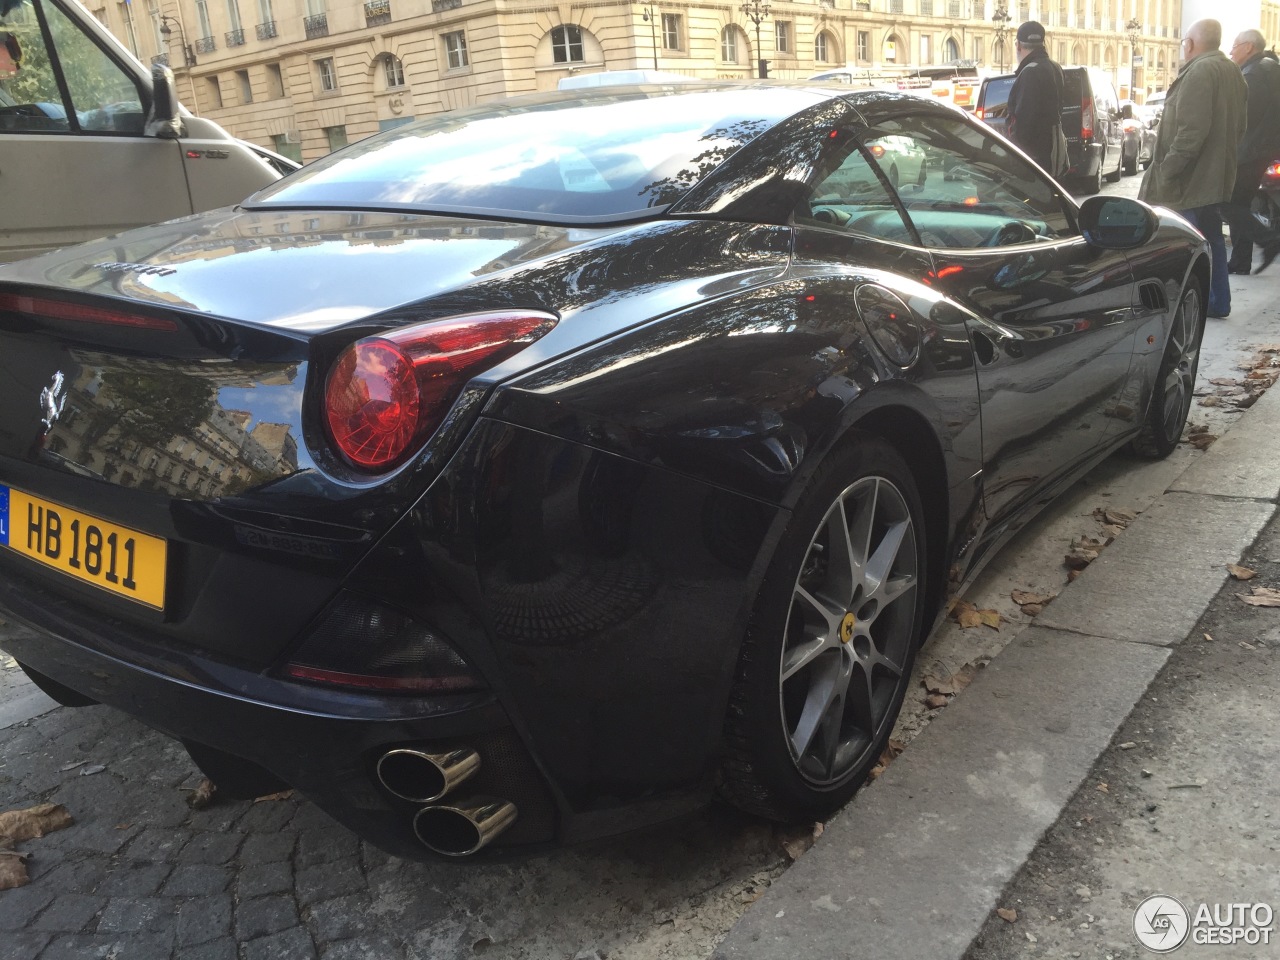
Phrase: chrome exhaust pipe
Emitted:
{"points": [[465, 827], [422, 777]]}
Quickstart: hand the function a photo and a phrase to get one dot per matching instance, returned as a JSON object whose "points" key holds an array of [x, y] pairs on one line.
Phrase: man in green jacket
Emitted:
{"points": [[1194, 167]]}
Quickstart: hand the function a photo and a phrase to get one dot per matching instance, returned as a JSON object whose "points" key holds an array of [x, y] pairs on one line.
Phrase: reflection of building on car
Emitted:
{"points": [[954, 83]]}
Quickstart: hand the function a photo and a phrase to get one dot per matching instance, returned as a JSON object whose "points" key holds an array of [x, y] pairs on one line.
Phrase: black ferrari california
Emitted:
{"points": [[540, 470]]}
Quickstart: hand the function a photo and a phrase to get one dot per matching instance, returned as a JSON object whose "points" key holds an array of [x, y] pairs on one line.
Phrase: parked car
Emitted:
{"points": [[93, 143], [953, 83], [1091, 122], [524, 473], [1139, 126]]}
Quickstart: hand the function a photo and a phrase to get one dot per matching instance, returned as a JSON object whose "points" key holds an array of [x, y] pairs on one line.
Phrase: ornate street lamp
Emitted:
{"points": [[650, 17], [166, 31], [757, 12], [1001, 19], [1134, 29]]}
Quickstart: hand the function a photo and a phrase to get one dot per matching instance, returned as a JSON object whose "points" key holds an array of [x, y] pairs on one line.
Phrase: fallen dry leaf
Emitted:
{"points": [[1210, 401], [13, 870], [953, 684], [1208, 637], [1202, 441], [891, 753], [1241, 573], [1224, 381], [968, 616], [34, 821], [1247, 646], [1023, 597], [1073, 574], [1112, 530], [935, 700], [282, 795], [1077, 560], [1033, 609], [796, 843], [1007, 914], [1261, 597], [202, 795], [1103, 788]]}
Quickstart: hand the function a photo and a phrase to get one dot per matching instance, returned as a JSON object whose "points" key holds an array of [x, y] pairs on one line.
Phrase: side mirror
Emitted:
{"points": [[163, 121], [1117, 223]]}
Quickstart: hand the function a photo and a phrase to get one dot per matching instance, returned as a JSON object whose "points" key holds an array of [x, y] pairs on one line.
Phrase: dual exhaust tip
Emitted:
{"points": [[456, 829]]}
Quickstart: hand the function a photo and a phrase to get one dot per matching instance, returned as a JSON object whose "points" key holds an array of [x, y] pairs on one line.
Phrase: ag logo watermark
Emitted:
{"points": [[1162, 924]]}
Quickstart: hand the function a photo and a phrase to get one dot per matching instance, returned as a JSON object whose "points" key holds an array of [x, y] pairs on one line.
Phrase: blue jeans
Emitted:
{"points": [[1208, 220]]}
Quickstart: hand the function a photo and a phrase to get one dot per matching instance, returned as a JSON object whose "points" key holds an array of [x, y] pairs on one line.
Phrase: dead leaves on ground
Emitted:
{"points": [[1241, 573], [891, 753], [967, 615], [1085, 550], [1261, 597], [28, 824], [1260, 372], [1032, 602], [796, 841], [1007, 914]]}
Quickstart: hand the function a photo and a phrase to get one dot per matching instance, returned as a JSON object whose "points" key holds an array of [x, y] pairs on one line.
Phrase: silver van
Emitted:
{"points": [[92, 143]]}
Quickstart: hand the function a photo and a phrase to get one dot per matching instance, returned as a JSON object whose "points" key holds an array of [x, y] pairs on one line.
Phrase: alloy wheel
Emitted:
{"points": [[849, 630], [1182, 359]]}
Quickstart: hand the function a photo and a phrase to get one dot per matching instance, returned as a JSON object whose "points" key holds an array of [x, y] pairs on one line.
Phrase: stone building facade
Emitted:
{"points": [[305, 77]]}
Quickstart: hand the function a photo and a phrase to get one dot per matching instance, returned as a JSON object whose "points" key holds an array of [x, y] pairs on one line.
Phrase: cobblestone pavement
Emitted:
{"points": [[140, 875]]}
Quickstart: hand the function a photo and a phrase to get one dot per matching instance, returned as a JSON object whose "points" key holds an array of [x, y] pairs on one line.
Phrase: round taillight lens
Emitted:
{"points": [[372, 402]]}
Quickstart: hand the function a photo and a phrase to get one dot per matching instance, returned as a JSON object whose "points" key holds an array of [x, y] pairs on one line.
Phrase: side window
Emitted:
{"points": [[972, 191], [103, 96], [853, 199]]}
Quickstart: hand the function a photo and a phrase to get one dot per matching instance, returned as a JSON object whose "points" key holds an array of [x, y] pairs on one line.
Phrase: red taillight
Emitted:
{"points": [[62, 310], [877, 151], [1273, 170], [979, 113], [387, 393], [1086, 119]]}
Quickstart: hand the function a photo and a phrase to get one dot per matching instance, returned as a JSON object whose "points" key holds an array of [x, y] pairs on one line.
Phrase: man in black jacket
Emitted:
{"points": [[1260, 146], [1035, 99]]}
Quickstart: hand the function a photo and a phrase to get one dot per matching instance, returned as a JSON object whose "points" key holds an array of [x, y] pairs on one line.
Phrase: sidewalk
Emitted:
{"points": [[914, 867]]}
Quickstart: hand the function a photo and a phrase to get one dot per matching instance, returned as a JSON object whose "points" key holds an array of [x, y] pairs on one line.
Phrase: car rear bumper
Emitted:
{"points": [[325, 743]]}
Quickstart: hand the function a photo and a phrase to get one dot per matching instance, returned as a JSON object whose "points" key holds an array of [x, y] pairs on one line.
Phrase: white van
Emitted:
{"points": [[609, 78], [91, 143]]}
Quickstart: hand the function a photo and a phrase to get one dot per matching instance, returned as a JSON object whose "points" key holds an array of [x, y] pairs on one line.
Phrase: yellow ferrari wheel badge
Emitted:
{"points": [[846, 627]]}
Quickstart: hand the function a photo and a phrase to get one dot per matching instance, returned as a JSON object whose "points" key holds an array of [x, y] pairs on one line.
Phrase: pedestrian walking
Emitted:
{"points": [[1260, 146], [1034, 110], [1194, 167]]}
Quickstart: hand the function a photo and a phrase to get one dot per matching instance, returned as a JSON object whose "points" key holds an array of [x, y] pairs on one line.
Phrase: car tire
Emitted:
{"points": [[1176, 380], [1119, 171], [827, 656], [1093, 184], [893, 176]]}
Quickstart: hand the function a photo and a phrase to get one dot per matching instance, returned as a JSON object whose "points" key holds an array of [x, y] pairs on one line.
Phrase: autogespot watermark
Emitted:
{"points": [[1162, 924]]}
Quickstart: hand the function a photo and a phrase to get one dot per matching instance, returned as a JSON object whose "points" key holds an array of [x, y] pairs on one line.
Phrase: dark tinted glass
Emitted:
{"points": [[552, 158], [995, 97]]}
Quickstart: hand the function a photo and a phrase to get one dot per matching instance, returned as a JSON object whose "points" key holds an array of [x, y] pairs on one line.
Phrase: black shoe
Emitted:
{"points": [[1218, 316], [1232, 268], [1268, 254]]}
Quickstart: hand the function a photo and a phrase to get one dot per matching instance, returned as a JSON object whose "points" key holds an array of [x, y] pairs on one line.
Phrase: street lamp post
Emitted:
{"points": [[188, 55], [1134, 29], [649, 18], [757, 12], [1001, 19]]}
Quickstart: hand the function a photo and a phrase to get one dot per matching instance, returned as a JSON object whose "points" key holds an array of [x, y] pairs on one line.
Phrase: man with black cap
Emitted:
{"points": [[1035, 100]]}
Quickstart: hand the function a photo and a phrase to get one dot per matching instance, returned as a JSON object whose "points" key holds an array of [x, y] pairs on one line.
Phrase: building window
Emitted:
{"points": [[729, 45], [952, 50], [926, 49], [215, 91], [455, 49], [202, 17], [275, 81], [671, 27], [864, 46], [926, 8], [977, 50], [891, 49], [566, 44], [782, 36], [328, 79], [393, 70], [233, 15], [246, 89], [130, 35], [337, 137], [823, 47]]}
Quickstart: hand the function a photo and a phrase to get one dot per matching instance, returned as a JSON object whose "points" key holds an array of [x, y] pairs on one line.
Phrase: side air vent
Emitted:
{"points": [[1151, 295]]}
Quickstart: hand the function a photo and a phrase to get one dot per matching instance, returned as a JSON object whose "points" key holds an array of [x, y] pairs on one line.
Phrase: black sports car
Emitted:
{"points": [[535, 471]]}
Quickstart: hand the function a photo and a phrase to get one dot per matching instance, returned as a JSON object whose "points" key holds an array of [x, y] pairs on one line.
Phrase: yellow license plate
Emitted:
{"points": [[96, 551]]}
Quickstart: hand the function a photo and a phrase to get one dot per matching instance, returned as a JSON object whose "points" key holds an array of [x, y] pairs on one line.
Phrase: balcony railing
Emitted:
{"points": [[206, 45], [438, 5], [954, 10], [161, 58], [235, 38], [266, 30], [316, 26], [377, 12], [895, 6], [926, 8]]}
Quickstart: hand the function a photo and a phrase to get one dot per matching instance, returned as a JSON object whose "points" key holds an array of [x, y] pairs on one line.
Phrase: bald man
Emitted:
{"points": [[1261, 146], [1193, 169]]}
